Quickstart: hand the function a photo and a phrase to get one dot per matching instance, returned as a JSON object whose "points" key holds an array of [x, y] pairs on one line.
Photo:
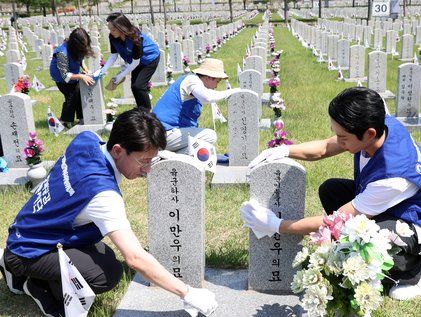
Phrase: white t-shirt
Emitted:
{"points": [[106, 209], [193, 87], [382, 194]]}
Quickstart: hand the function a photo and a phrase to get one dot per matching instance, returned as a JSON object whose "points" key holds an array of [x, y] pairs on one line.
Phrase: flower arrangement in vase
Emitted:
{"points": [[273, 83], [34, 148], [208, 50], [170, 79], [149, 85]]}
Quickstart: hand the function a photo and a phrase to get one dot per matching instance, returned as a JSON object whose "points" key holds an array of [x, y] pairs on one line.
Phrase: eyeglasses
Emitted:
{"points": [[152, 162]]}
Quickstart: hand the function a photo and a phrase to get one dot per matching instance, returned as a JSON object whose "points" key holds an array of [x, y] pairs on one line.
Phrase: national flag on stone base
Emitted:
{"points": [[54, 124], [78, 296], [216, 113], [37, 85], [203, 152]]}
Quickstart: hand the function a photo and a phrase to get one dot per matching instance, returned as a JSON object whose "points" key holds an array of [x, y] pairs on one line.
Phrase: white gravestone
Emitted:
{"points": [[281, 188]]}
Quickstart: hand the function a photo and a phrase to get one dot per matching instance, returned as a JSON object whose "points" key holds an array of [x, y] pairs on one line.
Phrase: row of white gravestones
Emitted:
{"points": [[408, 95], [176, 196]]}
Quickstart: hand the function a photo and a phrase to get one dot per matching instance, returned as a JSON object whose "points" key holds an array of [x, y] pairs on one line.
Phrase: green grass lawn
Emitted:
{"points": [[306, 86]]}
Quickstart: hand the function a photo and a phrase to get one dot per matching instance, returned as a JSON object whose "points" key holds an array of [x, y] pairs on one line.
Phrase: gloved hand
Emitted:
{"points": [[259, 218], [166, 155], [97, 73], [118, 79], [201, 300], [270, 155]]}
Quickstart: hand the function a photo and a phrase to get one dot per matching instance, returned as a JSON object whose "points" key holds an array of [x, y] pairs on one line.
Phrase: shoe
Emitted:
{"points": [[81, 122], [43, 298], [67, 125], [405, 292], [13, 282]]}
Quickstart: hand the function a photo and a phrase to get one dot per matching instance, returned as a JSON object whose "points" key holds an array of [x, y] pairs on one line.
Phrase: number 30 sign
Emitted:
{"points": [[381, 9]]}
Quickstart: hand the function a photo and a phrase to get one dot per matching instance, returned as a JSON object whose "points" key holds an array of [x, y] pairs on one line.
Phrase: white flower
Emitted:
{"points": [[319, 258], [368, 298], [402, 229], [312, 277], [297, 282], [334, 262], [360, 228], [300, 257], [315, 300], [355, 269]]}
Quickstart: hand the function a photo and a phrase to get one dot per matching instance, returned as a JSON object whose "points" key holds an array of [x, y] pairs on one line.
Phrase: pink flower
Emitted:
{"points": [[32, 135], [29, 152], [278, 124], [321, 237], [335, 222]]}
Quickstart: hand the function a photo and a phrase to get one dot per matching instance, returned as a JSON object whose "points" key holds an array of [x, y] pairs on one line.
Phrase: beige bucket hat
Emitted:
{"points": [[211, 67]]}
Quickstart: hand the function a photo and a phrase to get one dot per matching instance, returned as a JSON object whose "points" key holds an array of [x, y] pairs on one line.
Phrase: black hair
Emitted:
{"points": [[123, 24], [137, 131], [357, 109], [79, 44]]}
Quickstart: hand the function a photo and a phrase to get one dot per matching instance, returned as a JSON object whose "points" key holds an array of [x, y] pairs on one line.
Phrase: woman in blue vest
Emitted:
{"points": [[65, 71], [77, 206], [386, 184], [180, 107], [140, 53]]}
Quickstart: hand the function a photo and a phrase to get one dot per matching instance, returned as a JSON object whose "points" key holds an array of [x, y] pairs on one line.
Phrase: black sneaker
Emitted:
{"points": [[43, 298], [13, 282]]}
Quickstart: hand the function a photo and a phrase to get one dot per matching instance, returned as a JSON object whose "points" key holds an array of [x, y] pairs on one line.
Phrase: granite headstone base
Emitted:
{"points": [[356, 79], [17, 176], [406, 60], [230, 175], [53, 88], [124, 101], [387, 95], [97, 128], [411, 124], [230, 288], [158, 84]]}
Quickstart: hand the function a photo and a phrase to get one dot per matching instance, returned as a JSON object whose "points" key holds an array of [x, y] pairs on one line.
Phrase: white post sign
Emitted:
{"points": [[380, 9]]}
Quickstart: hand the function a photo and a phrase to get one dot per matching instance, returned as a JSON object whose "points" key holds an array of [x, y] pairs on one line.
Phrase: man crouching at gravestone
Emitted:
{"points": [[180, 107], [78, 205], [386, 185]]}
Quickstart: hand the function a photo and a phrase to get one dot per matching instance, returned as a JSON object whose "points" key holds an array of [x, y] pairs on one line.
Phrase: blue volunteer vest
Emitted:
{"points": [[125, 49], [47, 218], [399, 156], [173, 112], [74, 66]]}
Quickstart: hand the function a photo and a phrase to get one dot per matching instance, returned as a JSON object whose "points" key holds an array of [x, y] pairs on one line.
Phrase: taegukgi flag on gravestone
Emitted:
{"points": [[78, 296], [204, 152], [37, 85]]}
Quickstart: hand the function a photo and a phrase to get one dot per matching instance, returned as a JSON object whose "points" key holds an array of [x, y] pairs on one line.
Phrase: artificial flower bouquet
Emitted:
{"points": [[280, 135], [273, 83], [34, 148], [22, 84], [340, 267]]}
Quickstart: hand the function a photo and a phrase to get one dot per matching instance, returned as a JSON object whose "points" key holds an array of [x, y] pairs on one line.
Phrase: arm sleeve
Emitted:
{"points": [[63, 66], [383, 194], [205, 95], [110, 61], [128, 69], [106, 210]]}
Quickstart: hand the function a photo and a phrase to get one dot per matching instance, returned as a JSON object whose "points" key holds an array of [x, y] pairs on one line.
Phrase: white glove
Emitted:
{"points": [[97, 73], [260, 219], [118, 78], [201, 300], [270, 155]]}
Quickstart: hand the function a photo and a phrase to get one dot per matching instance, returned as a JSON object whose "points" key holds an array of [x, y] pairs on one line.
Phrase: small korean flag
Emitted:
{"points": [[78, 296], [54, 124], [37, 85], [204, 152]]}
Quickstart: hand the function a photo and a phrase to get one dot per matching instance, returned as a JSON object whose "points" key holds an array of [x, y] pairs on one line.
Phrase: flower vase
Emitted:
{"points": [[36, 174], [108, 126]]}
